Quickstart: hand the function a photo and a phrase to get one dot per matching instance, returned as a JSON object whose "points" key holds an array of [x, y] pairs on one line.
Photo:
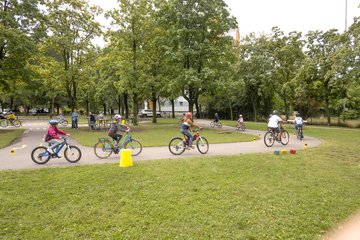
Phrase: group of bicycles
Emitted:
{"points": [[177, 145]]}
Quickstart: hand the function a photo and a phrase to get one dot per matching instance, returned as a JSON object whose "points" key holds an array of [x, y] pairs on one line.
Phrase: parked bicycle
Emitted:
{"points": [[41, 155], [271, 136], [216, 124], [106, 146], [240, 126], [177, 145], [7, 122]]}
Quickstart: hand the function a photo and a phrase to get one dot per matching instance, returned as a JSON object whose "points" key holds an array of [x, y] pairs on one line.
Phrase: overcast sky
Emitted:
{"points": [[260, 16]]}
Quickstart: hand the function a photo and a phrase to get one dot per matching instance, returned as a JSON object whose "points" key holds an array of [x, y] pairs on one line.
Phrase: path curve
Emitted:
{"points": [[35, 130]]}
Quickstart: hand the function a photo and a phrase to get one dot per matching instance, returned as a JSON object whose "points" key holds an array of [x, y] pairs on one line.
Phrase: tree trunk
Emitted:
{"points": [[104, 108], [253, 99], [172, 107], [154, 100], [126, 105], [231, 111], [135, 110]]}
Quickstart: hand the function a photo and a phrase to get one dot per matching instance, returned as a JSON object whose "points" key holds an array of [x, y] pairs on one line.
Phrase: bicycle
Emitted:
{"points": [[299, 133], [240, 126], [63, 122], [7, 122], [216, 124], [41, 155], [177, 145], [106, 146], [271, 136]]}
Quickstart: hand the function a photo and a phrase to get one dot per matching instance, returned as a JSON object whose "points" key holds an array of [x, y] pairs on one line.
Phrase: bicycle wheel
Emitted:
{"points": [[219, 124], [176, 146], [135, 146], [202, 145], [4, 123], [72, 154], [298, 134], [103, 149], [64, 123], [284, 137], [40, 155], [269, 139], [16, 123], [212, 124]]}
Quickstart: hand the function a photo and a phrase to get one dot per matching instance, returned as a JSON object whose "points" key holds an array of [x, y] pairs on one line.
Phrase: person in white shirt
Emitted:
{"points": [[299, 123], [274, 121]]}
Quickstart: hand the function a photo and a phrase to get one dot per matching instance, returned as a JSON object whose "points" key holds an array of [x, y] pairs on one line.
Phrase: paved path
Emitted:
{"points": [[35, 129]]}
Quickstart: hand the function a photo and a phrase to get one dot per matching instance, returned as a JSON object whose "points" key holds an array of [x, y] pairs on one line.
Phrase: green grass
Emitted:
{"points": [[8, 136], [159, 134], [252, 196]]}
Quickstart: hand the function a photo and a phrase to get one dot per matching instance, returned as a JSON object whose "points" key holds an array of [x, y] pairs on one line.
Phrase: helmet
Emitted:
{"points": [[297, 114], [53, 122], [118, 117], [188, 114], [275, 112], [240, 115]]}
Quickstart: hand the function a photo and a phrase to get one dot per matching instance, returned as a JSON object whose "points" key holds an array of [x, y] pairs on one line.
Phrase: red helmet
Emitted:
{"points": [[188, 114]]}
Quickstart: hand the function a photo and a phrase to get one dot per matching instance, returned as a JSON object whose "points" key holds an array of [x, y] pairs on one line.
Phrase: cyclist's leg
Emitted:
{"points": [[54, 143], [188, 135]]}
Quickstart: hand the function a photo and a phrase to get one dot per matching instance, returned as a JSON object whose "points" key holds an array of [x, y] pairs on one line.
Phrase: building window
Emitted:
{"points": [[181, 103]]}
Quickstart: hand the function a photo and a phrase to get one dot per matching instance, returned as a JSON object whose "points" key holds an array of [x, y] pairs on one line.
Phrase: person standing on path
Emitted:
{"points": [[74, 119]]}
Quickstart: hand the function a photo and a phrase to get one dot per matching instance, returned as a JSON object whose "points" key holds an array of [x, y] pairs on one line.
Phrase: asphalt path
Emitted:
{"points": [[20, 157]]}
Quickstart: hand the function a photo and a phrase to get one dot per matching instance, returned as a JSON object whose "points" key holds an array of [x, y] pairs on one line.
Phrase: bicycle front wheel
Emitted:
{"points": [[64, 123], [269, 139], [285, 137], [4, 123], [176, 146], [103, 149], [72, 154], [212, 124], [202, 145], [40, 155], [16, 123], [135, 146]]}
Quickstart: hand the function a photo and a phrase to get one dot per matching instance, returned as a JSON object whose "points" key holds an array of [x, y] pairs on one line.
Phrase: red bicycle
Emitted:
{"points": [[177, 145]]}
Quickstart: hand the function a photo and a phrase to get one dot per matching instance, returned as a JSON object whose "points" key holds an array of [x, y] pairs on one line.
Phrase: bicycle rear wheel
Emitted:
{"points": [[40, 155], [4, 123], [103, 149], [212, 124], [72, 154], [64, 123], [202, 145], [176, 146], [284, 137], [269, 139], [219, 124], [135, 146]]}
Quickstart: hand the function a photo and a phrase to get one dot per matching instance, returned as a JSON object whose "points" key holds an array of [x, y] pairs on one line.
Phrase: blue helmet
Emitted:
{"points": [[53, 122]]}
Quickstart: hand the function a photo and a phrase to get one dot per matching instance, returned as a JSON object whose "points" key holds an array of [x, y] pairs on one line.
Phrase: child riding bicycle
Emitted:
{"points": [[274, 122], [185, 128], [298, 124], [240, 121], [115, 127], [52, 137]]}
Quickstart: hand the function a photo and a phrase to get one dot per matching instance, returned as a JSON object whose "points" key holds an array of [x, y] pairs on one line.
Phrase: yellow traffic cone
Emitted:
{"points": [[125, 158], [305, 146], [12, 151]]}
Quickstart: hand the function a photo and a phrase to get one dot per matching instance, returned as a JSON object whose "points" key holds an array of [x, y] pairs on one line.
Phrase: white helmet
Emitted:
{"points": [[118, 116]]}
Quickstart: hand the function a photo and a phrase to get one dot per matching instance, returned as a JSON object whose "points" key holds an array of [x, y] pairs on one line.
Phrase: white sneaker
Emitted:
{"points": [[51, 151]]}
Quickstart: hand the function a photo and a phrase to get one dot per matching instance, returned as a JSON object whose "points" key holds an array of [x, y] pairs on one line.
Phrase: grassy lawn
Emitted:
{"points": [[252, 196], [7, 136]]}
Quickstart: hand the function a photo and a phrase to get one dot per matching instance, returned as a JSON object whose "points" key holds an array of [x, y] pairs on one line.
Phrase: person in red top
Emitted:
{"points": [[52, 135]]}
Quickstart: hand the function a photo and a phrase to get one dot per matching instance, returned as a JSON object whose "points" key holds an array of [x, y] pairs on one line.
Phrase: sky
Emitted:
{"points": [[259, 16]]}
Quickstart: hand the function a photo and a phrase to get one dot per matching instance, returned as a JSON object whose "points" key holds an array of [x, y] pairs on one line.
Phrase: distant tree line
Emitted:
{"points": [[162, 49]]}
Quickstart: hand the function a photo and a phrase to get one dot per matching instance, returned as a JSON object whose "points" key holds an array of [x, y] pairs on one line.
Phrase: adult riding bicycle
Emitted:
{"points": [[177, 145], [215, 123], [6, 122], [271, 136], [106, 146], [41, 155]]}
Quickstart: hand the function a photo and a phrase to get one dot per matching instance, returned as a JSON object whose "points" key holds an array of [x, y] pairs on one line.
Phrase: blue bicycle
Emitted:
{"points": [[41, 155], [106, 146]]}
